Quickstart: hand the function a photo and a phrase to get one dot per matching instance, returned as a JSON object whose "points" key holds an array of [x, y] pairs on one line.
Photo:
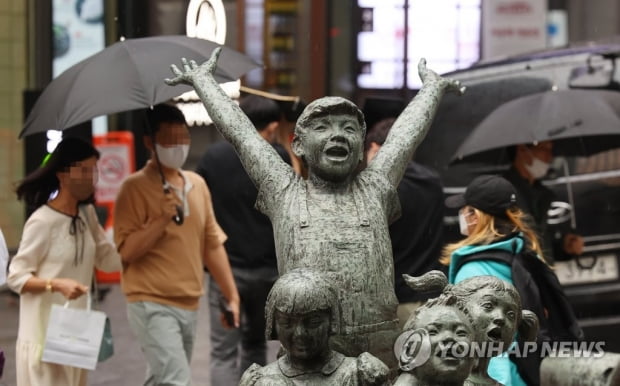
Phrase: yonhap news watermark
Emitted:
{"points": [[417, 346], [525, 349]]}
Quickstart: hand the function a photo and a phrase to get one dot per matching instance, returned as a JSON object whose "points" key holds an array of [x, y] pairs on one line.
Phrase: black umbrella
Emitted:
{"points": [[458, 115], [125, 76], [579, 122]]}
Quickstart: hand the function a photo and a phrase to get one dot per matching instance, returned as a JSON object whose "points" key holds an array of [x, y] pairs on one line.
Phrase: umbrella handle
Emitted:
{"points": [[569, 190], [180, 216]]}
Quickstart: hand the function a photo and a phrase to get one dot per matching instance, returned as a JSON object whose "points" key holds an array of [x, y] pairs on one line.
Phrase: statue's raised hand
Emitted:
{"points": [[192, 72], [427, 75]]}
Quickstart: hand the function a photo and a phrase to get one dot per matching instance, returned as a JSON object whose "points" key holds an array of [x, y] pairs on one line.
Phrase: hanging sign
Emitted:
{"points": [[513, 27]]}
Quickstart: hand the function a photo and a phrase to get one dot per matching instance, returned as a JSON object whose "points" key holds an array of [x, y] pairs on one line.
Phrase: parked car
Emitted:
{"points": [[588, 188]]}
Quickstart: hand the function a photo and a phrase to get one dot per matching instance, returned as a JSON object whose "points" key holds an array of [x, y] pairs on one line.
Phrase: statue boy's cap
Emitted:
{"points": [[490, 194]]}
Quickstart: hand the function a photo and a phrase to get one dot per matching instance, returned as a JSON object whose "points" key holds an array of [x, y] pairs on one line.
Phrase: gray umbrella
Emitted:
{"points": [[579, 122], [125, 76]]}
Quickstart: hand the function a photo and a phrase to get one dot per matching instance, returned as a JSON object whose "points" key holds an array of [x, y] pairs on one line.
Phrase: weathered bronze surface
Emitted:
{"points": [[581, 370], [438, 332], [302, 312], [495, 307], [337, 220]]}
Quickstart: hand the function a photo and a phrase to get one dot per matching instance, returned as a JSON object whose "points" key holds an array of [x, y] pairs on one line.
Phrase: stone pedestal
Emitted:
{"points": [[603, 371]]}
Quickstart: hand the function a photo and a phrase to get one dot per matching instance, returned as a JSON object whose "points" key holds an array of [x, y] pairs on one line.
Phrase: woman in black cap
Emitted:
{"points": [[493, 226], [61, 244]]}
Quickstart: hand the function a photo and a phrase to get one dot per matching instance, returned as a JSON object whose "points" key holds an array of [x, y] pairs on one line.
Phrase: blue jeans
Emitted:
{"points": [[234, 350]]}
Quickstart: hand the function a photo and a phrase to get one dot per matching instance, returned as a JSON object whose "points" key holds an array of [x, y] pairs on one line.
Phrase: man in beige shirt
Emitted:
{"points": [[163, 261]]}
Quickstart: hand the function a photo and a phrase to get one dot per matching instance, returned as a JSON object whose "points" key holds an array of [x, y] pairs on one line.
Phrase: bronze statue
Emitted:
{"points": [[337, 220], [495, 306], [435, 348], [302, 312], [495, 309], [596, 368]]}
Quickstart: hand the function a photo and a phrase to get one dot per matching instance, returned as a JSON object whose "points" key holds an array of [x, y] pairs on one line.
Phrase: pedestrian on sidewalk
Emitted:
{"points": [[530, 165], [61, 245], [163, 260], [417, 236], [250, 247], [500, 242], [4, 259]]}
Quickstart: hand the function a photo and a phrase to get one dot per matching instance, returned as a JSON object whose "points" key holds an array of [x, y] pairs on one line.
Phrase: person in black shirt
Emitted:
{"points": [[250, 247], [530, 163], [417, 236]]}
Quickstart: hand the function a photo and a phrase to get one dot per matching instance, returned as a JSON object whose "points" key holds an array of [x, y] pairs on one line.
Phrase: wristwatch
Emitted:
{"points": [[48, 286]]}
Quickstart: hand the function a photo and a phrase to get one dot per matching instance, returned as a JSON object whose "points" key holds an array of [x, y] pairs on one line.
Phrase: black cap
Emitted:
{"points": [[490, 194]]}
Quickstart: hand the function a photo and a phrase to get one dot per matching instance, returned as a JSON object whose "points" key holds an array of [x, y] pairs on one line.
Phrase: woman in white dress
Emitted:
{"points": [[61, 244], [4, 259]]}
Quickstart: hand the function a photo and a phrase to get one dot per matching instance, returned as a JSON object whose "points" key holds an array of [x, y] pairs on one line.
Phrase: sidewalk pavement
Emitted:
{"points": [[127, 367]]}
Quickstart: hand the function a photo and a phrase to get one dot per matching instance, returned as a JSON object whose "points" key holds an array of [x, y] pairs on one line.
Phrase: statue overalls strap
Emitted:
{"points": [[348, 249]]}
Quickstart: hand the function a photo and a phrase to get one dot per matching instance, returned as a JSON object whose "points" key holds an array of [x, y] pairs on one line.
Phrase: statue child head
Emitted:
{"points": [[329, 138], [441, 347], [302, 313], [495, 307]]}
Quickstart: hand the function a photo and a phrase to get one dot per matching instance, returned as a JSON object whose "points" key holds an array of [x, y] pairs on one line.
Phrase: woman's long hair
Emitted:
{"points": [[492, 228], [36, 188]]}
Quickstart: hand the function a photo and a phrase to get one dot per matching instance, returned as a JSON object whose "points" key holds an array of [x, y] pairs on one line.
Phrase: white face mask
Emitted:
{"points": [[463, 224], [172, 157], [537, 169]]}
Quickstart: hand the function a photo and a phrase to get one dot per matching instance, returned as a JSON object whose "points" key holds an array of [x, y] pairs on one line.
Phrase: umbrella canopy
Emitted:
{"points": [[579, 122], [125, 76], [458, 115]]}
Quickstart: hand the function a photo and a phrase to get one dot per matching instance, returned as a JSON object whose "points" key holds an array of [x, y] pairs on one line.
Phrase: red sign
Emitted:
{"points": [[112, 168], [116, 162], [513, 27]]}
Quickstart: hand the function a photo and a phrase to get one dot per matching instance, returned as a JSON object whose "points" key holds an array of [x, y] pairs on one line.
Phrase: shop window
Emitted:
{"points": [[446, 33]]}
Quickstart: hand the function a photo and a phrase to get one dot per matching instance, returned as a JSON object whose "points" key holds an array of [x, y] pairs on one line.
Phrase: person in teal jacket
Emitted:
{"points": [[491, 222]]}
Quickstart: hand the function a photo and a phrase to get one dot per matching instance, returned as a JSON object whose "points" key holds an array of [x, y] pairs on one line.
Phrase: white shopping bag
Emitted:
{"points": [[74, 336]]}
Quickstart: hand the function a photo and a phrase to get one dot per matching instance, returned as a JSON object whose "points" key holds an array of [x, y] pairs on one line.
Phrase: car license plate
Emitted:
{"points": [[604, 269]]}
